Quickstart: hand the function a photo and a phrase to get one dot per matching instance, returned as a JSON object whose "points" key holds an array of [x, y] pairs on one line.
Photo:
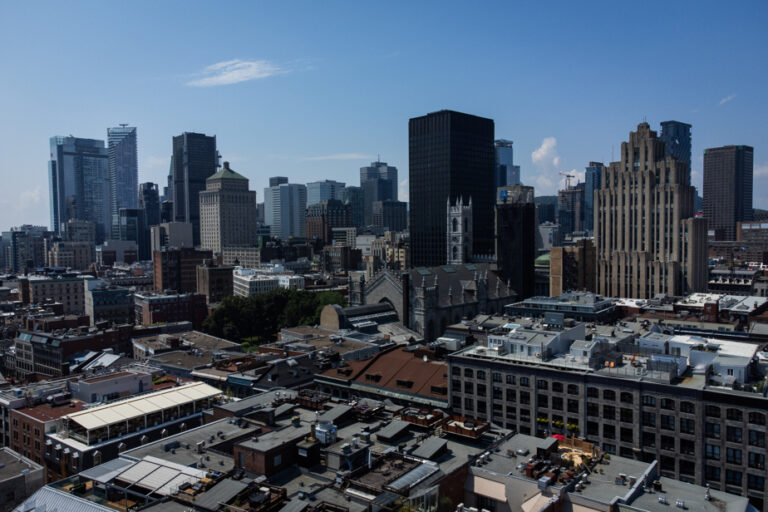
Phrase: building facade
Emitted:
{"points": [[390, 215], [194, 159], [79, 185], [515, 230], [450, 155], [149, 201], [227, 211], [354, 197], [123, 171], [379, 183], [323, 217], [318, 191], [176, 268], [592, 176], [285, 210], [156, 308], [72, 255], [727, 189], [677, 142], [215, 282], [506, 173], [572, 268], [648, 241]]}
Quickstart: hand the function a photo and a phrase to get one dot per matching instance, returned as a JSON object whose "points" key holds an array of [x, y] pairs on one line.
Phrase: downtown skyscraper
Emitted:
{"points": [[379, 183], [123, 172], [451, 155], [648, 240], [194, 159], [79, 185], [506, 173], [727, 189], [677, 142]]}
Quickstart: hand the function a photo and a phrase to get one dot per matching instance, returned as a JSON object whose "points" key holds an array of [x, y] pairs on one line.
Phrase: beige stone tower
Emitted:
{"points": [[648, 240]]}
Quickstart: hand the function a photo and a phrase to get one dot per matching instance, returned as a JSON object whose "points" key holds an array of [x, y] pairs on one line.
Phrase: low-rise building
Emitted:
{"points": [[154, 308], [247, 282], [72, 255], [110, 303], [215, 282], [20, 478], [90, 437], [581, 306], [64, 288]]}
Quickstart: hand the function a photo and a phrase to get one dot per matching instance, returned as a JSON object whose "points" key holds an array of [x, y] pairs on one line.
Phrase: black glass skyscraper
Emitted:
{"points": [[194, 159], [728, 175], [677, 142], [149, 201], [451, 155]]}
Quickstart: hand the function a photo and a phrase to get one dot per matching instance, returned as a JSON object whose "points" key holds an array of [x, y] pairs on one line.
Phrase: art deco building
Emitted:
{"points": [[648, 241], [227, 211]]}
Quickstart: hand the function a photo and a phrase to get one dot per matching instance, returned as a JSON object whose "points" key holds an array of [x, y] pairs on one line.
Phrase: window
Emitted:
{"points": [[668, 443], [543, 400], [733, 414], [733, 455], [755, 482], [667, 422], [649, 400], [468, 372], [687, 447], [649, 439], [626, 415], [542, 384], [573, 406], [496, 376], [712, 411], [609, 431], [593, 409], [609, 412], [480, 375], [712, 430], [756, 438], [525, 382], [733, 434], [593, 393], [757, 418], [649, 419], [469, 404], [609, 395], [756, 460], [511, 395], [469, 387], [557, 387], [733, 477], [712, 451], [687, 426], [712, 473], [525, 398], [573, 389], [667, 403], [278, 460], [96, 458], [626, 397], [687, 407], [627, 435], [557, 403], [482, 390], [609, 448], [456, 371], [593, 428], [498, 393]]}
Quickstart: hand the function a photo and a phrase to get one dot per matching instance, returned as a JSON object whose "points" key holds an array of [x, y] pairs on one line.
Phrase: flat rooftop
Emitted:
{"points": [[182, 448], [49, 412], [13, 464]]}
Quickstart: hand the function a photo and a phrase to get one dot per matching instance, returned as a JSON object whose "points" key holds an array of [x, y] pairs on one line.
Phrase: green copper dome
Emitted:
{"points": [[227, 174]]}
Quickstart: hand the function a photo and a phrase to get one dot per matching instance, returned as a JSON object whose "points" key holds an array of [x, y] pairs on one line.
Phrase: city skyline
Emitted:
{"points": [[260, 90]]}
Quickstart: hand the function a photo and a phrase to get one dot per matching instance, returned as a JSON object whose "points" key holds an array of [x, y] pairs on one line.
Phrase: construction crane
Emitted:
{"points": [[568, 178]]}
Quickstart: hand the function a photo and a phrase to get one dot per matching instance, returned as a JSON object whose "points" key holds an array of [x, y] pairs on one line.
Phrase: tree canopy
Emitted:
{"points": [[258, 318]]}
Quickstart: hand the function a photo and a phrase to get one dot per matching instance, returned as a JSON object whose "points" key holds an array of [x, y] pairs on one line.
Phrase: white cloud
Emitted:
{"points": [[727, 99], [236, 71], [338, 156], [547, 162], [402, 191], [760, 170]]}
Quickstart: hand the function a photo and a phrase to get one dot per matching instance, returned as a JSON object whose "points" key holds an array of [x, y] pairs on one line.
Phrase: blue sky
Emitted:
{"points": [[315, 90]]}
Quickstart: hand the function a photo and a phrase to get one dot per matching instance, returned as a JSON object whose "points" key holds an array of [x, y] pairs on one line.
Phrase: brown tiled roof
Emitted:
{"points": [[394, 369], [48, 412]]}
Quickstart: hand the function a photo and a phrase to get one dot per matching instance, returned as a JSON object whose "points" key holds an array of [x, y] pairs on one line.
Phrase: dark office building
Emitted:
{"points": [[592, 177], [727, 189], [390, 215], [379, 183], [515, 224], [546, 208], [149, 201], [570, 209], [322, 217], [194, 159], [677, 142], [353, 196], [450, 155], [132, 226], [276, 181]]}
